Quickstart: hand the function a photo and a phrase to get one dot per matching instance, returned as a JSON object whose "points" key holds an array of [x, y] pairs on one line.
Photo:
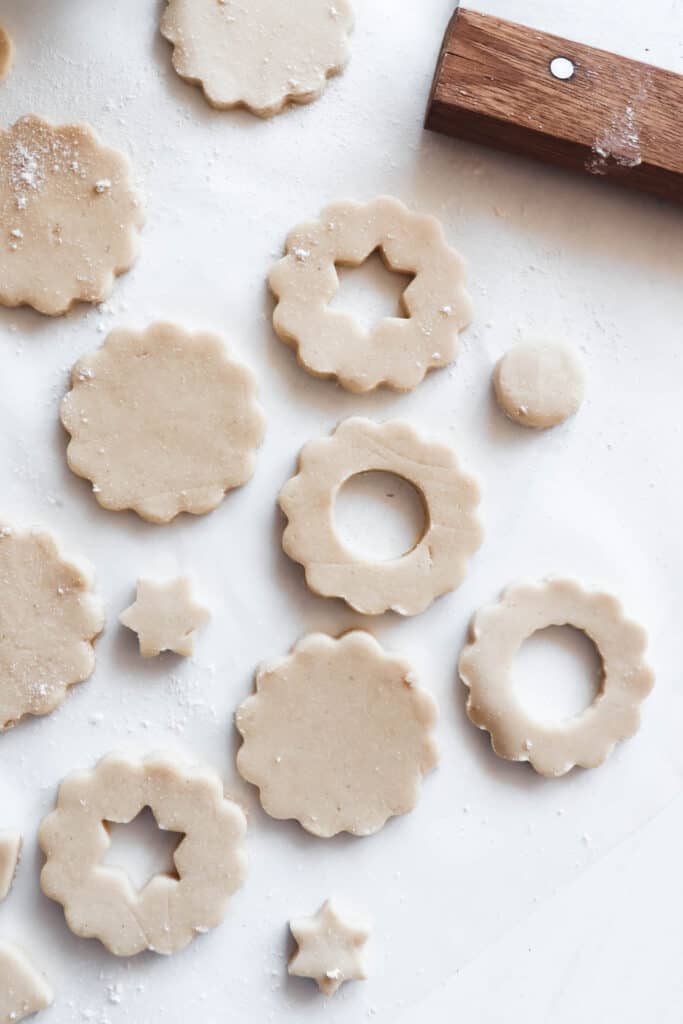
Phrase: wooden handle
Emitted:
{"points": [[614, 118]]}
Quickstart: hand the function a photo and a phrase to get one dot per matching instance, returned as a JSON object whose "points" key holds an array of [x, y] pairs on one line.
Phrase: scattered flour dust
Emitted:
{"points": [[29, 165], [620, 139]]}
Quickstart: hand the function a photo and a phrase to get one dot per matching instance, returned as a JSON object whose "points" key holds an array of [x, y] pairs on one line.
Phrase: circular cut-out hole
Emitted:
{"points": [[379, 516], [562, 68], [141, 848], [371, 291], [557, 674]]}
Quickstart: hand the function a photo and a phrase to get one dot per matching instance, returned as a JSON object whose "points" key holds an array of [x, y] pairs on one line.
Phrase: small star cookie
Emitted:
{"points": [[23, 990], [331, 947], [165, 617], [10, 852]]}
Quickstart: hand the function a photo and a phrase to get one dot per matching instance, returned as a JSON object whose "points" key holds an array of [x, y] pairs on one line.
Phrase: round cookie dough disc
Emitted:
{"points": [[262, 54], [69, 216], [337, 735], [162, 421], [539, 384]]}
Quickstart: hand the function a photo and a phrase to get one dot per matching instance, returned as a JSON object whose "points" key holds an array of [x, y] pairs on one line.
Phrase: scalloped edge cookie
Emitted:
{"points": [[261, 56], [162, 421], [337, 735], [409, 584], [496, 634], [398, 351], [64, 597], [69, 214], [100, 901]]}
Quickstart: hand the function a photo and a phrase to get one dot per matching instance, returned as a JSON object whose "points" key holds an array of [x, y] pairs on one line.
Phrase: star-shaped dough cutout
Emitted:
{"points": [[331, 947], [165, 617]]}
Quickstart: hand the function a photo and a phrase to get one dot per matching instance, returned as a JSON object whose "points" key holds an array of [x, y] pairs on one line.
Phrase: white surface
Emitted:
{"points": [[503, 896]]}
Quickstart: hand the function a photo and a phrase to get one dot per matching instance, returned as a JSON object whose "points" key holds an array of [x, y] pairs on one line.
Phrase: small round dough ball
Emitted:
{"points": [[539, 384]]}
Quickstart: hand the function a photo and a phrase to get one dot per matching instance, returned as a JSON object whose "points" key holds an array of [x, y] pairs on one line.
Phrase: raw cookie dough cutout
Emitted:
{"points": [[331, 947], [23, 990], [408, 584], [100, 901], [165, 617], [49, 620], [69, 216], [6, 53], [398, 351], [337, 735], [258, 54], [10, 852], [162, 421], [497, 633], [539, 384]]}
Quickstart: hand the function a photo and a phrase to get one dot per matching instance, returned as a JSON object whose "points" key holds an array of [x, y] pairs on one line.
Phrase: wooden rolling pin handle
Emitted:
{"points": [[524, 91]]}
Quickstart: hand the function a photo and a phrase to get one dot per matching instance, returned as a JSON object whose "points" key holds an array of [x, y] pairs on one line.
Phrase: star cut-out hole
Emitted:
{"points": [[557, 674], [371, 291], [142, 849]]}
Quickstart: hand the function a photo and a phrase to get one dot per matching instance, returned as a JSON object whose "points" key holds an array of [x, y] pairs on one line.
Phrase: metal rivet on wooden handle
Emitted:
{"points": [[527, 92]]}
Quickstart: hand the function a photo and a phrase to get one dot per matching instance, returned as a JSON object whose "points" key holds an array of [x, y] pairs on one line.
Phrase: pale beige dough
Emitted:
{"points": [[6, 53], [165, 617], [256, 53], [162, 421], [331, 947], [10, 852], [540, 384], [398, 351], [337, 735], [408, 584], [49, 619], [100, 901], [497, 633], [23, 990], [69, 217]]}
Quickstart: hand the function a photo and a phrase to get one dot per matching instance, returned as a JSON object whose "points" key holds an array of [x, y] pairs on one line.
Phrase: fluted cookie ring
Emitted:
{"points": [[496, 635], [398, 351], [99, 900], [434, 566]]}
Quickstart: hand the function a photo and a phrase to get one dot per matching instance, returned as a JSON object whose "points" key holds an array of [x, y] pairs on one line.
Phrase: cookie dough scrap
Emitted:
{"points": [[69, 217], [398, 351], [165, 617], [258, 54], [49, 620], [331, 947], [10, 852], [337, 735], [406, 585], [540, 384], [496, 635], [6, 53], [100, 901], [162, 421], [23, 990]]}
